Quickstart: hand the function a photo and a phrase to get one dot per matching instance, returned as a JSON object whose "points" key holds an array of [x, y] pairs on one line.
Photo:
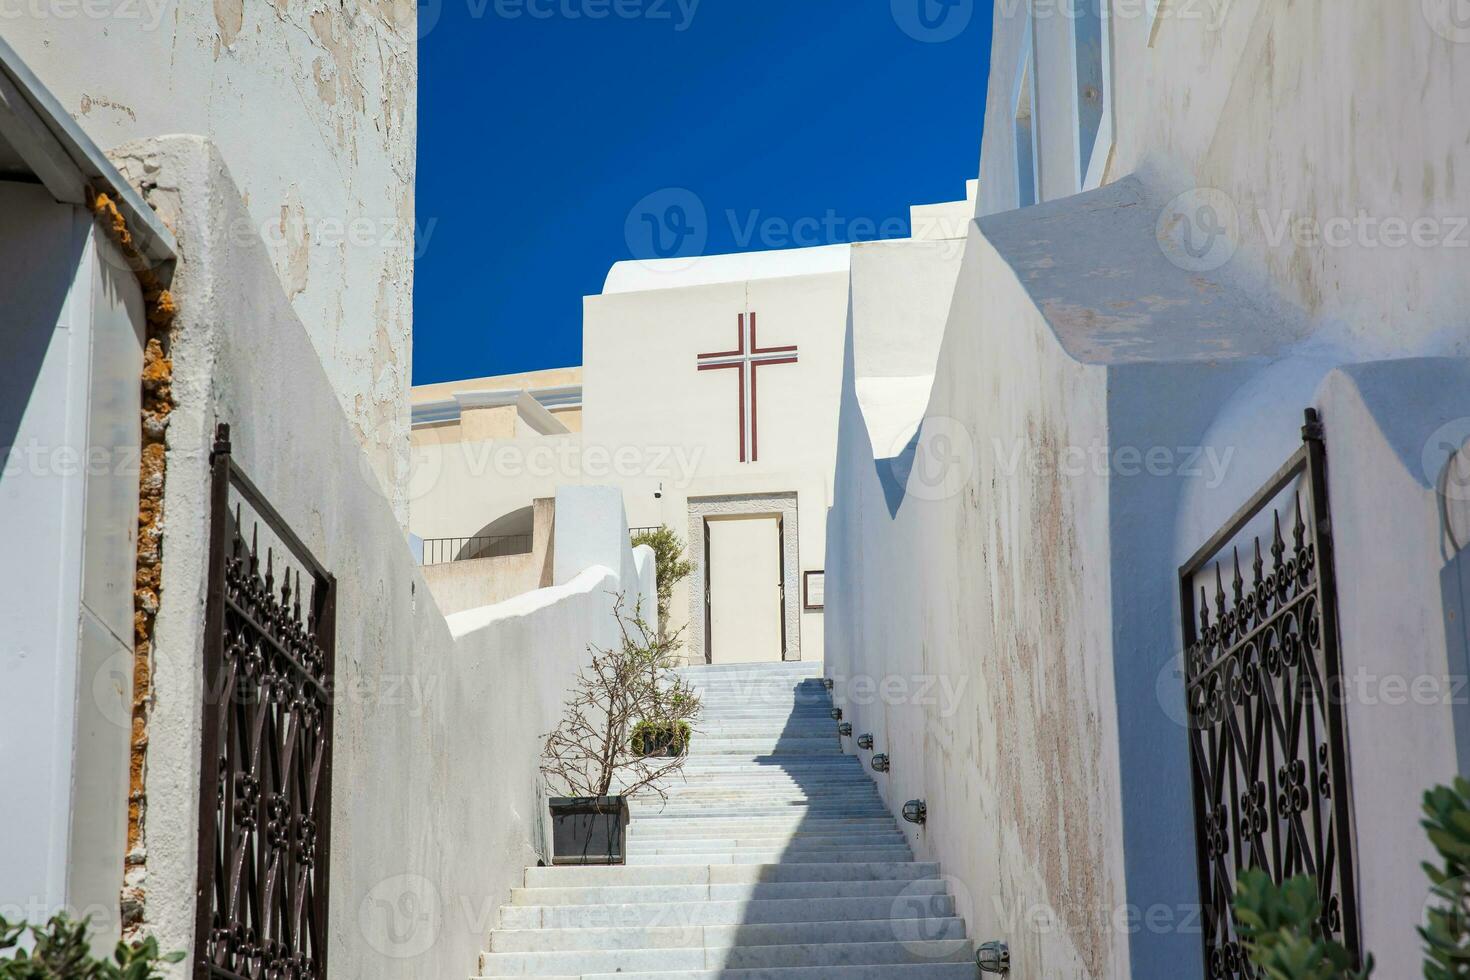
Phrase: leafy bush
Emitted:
{"points": [[1446, 932], [652, 738], [1281, 929], [60, 951], [669, 562]]}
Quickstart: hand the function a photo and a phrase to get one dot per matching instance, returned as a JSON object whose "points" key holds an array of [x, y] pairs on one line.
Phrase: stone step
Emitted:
{"points": [[726, 958], [735, 827], [726, 913], [816, 811], [841, 776], [744, 892], [664, 845], [732, 937], [773, 667], [814, 856], [716, 802], [705, 874], [891, 971]]}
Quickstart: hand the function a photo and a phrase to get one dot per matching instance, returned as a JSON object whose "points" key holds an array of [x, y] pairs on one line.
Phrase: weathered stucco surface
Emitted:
{"points": [[448, 713], [313, 106], [974, 610], [1295, 117]]}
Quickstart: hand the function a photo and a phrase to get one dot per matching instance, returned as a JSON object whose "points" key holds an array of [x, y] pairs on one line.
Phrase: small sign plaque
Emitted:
{"points": [[813, 586]]}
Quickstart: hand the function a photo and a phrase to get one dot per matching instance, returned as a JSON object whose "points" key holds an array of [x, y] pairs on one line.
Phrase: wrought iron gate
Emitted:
{"points": [[266, 762], [1267, 732]]}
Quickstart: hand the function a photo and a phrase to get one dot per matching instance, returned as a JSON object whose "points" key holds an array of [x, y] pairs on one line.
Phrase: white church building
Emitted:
{"points": [[1052, 566], [708, 393]]}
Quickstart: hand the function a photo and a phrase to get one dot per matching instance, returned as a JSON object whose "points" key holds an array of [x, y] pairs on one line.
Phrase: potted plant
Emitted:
{"points": [[624, 730], [653, 739]]}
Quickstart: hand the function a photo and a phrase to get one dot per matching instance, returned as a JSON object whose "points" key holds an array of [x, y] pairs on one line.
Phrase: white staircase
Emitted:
{"points": [[773, 859]]}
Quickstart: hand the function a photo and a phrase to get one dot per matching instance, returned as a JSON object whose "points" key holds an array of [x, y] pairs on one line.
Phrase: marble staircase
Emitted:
{"points": [[773, 858]]}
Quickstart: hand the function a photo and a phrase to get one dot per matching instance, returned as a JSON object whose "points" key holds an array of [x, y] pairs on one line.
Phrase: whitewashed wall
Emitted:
{"points": [[1294, 117], [966, 633], [313, 105], [73, 351], [436, 806]]}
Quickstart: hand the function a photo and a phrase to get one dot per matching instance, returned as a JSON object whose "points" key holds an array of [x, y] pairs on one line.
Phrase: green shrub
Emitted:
{"points": [[661, 738], [1446, 932], [1281, 929], [670, 565], [60, 951]]}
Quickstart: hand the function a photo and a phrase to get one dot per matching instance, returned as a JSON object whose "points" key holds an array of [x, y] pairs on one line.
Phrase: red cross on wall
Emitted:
{"points": [[745, 359]]}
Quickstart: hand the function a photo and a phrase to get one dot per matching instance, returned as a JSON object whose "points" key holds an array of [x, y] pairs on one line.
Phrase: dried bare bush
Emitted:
{"points": [[590, 753]]}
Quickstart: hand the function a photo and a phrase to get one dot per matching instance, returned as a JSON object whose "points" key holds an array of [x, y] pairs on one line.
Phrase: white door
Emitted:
{"points": [[745, 589]]}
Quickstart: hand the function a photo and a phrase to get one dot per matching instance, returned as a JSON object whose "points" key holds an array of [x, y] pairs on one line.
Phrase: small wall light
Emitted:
{"points": [[865, 741], [827, 683], [880, 763], [844, 729], [916, 811], [836, 714], [993, 957]]}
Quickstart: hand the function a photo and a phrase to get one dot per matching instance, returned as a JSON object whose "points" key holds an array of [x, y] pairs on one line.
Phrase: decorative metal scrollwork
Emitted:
{"points": [[265, 788], [1268, 742]]}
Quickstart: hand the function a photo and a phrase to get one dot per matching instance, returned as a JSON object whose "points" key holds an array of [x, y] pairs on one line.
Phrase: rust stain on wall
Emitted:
{"points": [[158, 404]]}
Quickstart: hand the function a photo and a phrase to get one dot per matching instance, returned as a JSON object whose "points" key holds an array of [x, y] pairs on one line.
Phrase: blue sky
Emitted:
{"points": [[556, 135]]}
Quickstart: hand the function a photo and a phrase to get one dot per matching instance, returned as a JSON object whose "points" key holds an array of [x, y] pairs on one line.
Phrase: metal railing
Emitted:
{"points": [[633, 532], [441, 551]]}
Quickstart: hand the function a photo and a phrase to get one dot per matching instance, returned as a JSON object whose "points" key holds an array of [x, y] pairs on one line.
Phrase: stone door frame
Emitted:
{"points": [[783, 505]]}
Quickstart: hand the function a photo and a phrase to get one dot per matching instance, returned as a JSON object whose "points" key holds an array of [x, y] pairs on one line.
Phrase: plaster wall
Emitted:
{"points": [[69, 432], [313, 105], [968, 631], [461, 487], [648, 341], [436, 804], [1300, 120], [1401, 601]]}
